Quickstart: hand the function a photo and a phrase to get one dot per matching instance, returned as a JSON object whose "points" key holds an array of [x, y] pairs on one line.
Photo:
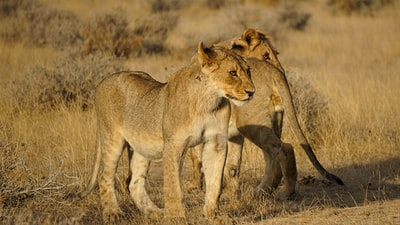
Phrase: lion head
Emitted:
{"points": [[255, 44], [227, 72]]}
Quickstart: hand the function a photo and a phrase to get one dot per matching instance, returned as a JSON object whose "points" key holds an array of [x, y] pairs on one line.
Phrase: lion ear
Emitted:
{"points": [[204, 54], [251, 37], [239, 45], [206, 58]]}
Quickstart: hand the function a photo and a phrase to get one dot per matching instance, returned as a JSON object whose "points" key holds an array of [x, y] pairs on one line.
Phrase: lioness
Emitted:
{"points": [[254, 44], [276, 99], [159, 121]]}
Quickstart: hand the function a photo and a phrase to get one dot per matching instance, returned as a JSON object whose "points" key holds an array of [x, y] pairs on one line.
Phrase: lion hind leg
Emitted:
{"points": [[287, 162], [280, 163], [197, 179], [139, 168], [130, 156], [272, 171], [111, 152], [232, 166]]}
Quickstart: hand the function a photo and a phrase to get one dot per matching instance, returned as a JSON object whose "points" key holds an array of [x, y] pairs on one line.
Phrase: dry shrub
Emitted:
{"points": [[8, 153], [69, 81], [108, 33], [216, 4], [165, 5], [274, 20], [12, 170], [310, 104], [154, 31], [291, 17], [365, 7], [38, 25], [8, 7]]}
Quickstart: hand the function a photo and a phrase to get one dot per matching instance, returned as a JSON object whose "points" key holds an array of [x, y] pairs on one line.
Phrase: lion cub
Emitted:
{"points": [[159, 121]]}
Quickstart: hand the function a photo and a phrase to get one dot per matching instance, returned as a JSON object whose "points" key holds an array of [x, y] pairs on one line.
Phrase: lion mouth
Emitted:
{"points": [[239, 101]]}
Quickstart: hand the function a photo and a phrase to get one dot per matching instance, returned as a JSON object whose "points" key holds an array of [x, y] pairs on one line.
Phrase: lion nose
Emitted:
{"points": [[250, 93]]}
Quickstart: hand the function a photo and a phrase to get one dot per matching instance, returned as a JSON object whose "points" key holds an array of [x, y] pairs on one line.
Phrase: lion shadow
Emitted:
{"points": [[365, 183]]}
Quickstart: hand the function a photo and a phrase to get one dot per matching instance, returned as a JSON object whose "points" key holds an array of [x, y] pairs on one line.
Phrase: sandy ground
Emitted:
{"points": [[387, 212]]}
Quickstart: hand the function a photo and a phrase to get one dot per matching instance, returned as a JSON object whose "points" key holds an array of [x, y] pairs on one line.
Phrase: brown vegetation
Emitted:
{"points": [[366, 7], [343, 70]]}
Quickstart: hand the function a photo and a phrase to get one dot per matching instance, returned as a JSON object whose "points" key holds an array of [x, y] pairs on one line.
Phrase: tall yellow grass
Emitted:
{"points": [[352, 60]]}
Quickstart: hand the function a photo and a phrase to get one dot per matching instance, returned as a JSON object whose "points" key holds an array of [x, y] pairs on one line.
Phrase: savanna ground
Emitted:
{"points": [[342, 60]]}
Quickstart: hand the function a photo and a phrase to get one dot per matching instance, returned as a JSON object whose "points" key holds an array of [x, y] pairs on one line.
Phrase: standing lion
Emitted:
{"points": [[160, 121]]}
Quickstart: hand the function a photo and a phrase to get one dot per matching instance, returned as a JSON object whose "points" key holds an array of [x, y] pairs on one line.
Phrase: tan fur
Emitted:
{"points": [[261, 121], [159, 121], [254, 44]]}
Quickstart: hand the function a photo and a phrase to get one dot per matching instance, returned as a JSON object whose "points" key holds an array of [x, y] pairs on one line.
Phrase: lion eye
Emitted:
{"points": [[233, 73], [266, 56], [249, 72]]}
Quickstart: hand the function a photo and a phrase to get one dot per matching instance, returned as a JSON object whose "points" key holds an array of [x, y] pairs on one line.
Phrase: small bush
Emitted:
{"points": [[38, 25], [154, 32], [9, 7], [292, 18], [108, 33], [216, 4], [70, 81], [311, 106], [165, 5], [366, 7]]}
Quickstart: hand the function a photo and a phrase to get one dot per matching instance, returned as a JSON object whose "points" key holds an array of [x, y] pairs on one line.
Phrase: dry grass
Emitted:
{"points": [[343, 71]]}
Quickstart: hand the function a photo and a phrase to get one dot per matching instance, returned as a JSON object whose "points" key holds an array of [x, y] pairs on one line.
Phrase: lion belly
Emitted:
{"points": [[149, 145]]}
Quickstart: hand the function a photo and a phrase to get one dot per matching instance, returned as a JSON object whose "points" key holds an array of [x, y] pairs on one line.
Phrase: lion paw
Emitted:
{"points": [[221, 220], [113, 217], [174, 221], [193, 186], [154, 213]]}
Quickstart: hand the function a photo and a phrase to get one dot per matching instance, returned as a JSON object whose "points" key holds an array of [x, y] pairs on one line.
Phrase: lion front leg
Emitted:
{"points": [[173, 197], [214, 155]]}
